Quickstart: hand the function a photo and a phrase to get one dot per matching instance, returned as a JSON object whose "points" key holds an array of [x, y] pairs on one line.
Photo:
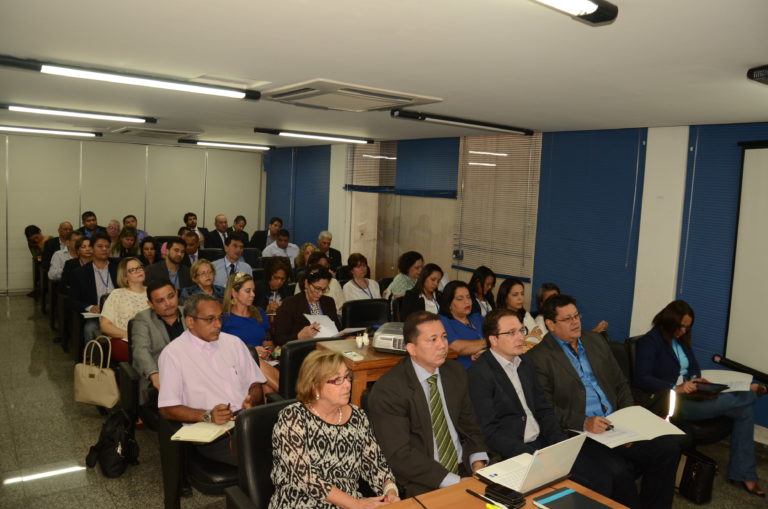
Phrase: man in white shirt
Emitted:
{"points": [[281, 247], [232, 263]]}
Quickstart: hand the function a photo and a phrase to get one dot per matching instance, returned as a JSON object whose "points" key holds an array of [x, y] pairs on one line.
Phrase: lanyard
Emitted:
{"points": [[104, 280], [366, 291], [174, 278]]}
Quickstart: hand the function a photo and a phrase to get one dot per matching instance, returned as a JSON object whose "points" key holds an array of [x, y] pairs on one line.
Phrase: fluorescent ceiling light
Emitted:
{"points": [[313, 136], [32, 130], [594, 12], [482, 164], [42, 475], [369, 156], [458, 122], [219, 144], [80, 114], [498, 154]]}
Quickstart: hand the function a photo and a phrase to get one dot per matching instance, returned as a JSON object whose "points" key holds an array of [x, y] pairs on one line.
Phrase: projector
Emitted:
{"points": [[389, 338], [759, 74]]}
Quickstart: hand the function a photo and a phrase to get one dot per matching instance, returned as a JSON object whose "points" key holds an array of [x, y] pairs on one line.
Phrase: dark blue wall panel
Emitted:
{"points": [[588, 221], [278, 164], [427, 167]]}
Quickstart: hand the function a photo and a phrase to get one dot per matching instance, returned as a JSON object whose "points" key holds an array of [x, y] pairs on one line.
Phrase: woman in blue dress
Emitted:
{"points": [[463, 327]]}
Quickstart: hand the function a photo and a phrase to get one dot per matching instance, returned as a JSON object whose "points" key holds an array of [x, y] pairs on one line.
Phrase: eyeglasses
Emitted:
{"points": [[522, 331], [135, 269], [339, 380], [318, 289], [206, 273], [209, 320], [569, 319]]}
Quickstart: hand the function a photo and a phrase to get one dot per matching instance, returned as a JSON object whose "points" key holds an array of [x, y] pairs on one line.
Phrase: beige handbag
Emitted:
{"points": [[95, 383]]}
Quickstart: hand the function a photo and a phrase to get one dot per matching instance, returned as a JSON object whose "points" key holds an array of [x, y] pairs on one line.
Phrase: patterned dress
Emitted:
{"points": [[311, 456]]}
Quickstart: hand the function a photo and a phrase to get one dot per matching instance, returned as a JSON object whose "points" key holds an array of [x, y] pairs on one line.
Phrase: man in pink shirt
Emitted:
{"points": [[207, 375]]}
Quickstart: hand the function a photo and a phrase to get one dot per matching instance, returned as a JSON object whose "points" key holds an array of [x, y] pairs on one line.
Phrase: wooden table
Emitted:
{"points": [[455, 497]]}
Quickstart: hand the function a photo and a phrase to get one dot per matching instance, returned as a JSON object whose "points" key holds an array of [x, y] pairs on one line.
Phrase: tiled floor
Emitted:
{"points": [[42, 429]]}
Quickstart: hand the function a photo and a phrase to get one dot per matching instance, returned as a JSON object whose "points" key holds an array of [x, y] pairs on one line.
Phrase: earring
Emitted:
{"points": [[317, 395]]}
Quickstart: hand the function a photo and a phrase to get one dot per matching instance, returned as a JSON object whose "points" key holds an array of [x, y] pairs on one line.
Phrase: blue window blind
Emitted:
{"points": [[588, 221], [427, 167], [297, 189]]}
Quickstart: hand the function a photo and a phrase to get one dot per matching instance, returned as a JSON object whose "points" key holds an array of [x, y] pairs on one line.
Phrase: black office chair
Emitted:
{"points": [[258, 273], [253, 430], [44, 283], [384, 283], [53, 291], [252, 256], [364, 313], [210, 253], [292, 355], [162, 239], [396, 305], [344, 273]]}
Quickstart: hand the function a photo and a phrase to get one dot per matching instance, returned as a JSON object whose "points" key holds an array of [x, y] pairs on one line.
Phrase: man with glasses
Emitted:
{"points": [[208, 376], [580, 378]]}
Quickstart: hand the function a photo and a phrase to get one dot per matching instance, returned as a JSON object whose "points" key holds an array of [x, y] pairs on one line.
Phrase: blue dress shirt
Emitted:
{"points": [[597, 401], [222, 270]]}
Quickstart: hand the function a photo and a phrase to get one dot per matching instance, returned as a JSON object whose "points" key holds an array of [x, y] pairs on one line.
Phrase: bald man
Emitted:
{"points": [[56, 243], [217, 236]]}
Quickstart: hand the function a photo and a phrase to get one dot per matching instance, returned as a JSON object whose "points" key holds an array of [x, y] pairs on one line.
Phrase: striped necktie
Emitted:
{"points": [[446, 452]]}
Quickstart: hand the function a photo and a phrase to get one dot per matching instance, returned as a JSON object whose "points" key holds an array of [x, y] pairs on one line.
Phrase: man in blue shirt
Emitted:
{"points": [[232, 263], [582, 381]]}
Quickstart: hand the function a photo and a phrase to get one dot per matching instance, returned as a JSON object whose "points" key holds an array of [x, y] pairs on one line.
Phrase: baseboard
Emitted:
{"points": [[761, 434]]}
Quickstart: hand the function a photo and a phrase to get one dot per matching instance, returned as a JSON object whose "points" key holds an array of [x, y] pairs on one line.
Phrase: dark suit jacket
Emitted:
{"points": [[49, 248], [561, 386], [334, 257], [159, 270], [262, 293], [202, 230], [500, 412], [213, 240], [488, 298], [657, 367], [98, 229], [259, 239], [243, 233], [82, 292], [187, 262], [399, 414], [413, 302], [66, 275], [290, 316]]}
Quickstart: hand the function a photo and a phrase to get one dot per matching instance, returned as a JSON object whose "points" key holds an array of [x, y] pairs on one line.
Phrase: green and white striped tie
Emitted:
{"points": [[446, 452]]}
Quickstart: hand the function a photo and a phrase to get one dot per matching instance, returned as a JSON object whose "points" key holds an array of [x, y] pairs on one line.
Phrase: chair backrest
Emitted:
{"points": [[657, 402], [384, 283], [252, 256], [258, 273], [631, 347], [162, 239], [292, 355], [102, 300], [254, 450], [397, 304], [364, 312], [621, 358], [210, 253]]}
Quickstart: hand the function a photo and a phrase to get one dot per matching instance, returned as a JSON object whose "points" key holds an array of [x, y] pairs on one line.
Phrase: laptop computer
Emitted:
{"points": [[527, 473]]}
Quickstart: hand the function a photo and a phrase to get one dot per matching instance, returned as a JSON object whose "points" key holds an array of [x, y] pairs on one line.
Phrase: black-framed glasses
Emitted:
{"points": [[319, 289], [134, 270], [569, 319], [523, 331], [339, 380], [209, 320]]}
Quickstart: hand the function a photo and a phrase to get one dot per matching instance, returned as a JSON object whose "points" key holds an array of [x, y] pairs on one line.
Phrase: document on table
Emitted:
{"points": [[735, 380], [327, 327], [632, 424], [202, 431]]}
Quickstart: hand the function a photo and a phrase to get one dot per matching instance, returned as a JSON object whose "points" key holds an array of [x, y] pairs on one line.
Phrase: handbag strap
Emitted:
{"points": [[93, 344]]}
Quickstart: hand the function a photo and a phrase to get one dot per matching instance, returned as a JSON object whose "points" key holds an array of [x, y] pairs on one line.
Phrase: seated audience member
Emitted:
{"points": [[90, 224], [665, 361], [273, 290], [323, 434], [217, 237], [61, 257], [171, 268], [512, 296], [360, 287], [193, 385], [148, 252], [324, 239], [203, 275], [238, 225], [125, 245], [152, 330], [84, 255], [232, 263], [424, 296], [290, 322], [130, 221], [249, 323], [192, 250], [464, 328], [122, 305], [113, 230], [190, 224], [300, 262], [409, 264], [334, 288], [91, 281], [545, 292], [580, 378], [52, 245], [281, 247], [35, 241], [426, 453], [481, 286], [263, 238]]}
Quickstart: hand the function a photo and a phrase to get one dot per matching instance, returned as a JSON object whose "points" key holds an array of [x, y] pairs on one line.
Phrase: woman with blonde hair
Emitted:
{"points": [[323, 445], [122, 304], [202, 273]]}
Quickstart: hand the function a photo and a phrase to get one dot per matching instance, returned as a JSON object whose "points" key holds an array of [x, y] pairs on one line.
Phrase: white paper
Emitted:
{"points": [[87, 314], [327, 327], [615, 437], [735, 380], [632, 424], [202, 431], [349, 331]]}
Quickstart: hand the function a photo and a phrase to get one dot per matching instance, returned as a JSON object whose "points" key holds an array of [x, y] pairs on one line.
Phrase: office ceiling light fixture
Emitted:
{"points": [[482, 164], [479, 152], [221, 144], [369, 156], [57, 132], [313, 136], [79, 114], [126, 78], [458, 122], [592, 12]]}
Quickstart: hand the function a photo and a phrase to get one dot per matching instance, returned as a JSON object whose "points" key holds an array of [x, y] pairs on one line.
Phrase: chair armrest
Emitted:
{"points": [[236, 499], [273, 397]]}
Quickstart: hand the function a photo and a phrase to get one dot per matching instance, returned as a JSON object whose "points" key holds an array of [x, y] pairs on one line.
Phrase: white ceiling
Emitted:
{"points": [[661, 63]]}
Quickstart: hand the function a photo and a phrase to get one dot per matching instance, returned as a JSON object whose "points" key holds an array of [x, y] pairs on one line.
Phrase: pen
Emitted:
{"points": [[486, 499], [609, 428]]}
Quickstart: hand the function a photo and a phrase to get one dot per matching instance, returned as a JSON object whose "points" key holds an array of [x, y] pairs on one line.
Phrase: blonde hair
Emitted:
{"points": [[122, 270], [301, 260], [319, 366], [195, 268], [236, 282]]}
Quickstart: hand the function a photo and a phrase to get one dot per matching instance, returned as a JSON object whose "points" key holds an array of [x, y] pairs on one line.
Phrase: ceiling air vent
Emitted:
{"points": [[165, 134], [335, 95]]}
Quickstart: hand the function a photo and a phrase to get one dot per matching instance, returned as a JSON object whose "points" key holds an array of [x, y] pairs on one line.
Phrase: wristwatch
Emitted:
{"points": [[207, 416]]}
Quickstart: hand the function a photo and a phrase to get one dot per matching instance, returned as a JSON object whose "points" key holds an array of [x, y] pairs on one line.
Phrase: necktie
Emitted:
{"points": [[446, 452], [231, 269]]}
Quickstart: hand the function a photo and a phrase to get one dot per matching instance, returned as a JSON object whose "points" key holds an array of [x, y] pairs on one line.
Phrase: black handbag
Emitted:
{"points": [[698, 477]]}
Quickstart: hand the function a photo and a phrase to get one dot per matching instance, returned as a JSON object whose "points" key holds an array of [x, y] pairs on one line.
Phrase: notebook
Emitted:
{"points": [[566, 498], [202, 431]]}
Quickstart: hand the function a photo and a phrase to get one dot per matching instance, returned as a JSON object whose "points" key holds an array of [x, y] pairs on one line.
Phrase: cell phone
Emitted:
{"points": [[507, 496]]}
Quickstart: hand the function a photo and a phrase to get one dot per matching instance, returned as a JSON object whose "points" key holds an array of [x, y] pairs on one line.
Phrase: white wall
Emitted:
{"points": [[55, 179], [339, 202]]}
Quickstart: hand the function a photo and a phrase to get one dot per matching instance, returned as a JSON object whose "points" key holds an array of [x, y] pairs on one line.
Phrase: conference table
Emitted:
{"points": [[456, 497]]}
